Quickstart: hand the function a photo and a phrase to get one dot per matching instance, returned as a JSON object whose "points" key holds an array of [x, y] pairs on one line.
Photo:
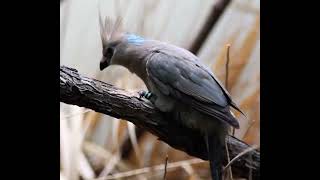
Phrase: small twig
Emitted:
{"points": [[239, 155], [227, 67], [165, 168], [227, 76], [161, 167], [188, 168]]}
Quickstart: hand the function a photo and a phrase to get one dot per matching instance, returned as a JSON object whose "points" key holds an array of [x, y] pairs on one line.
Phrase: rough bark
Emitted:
{"points": [[101, 97]]}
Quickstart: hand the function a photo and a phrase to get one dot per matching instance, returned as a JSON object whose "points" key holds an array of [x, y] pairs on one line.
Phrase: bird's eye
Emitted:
{"points": [[108, 53]]}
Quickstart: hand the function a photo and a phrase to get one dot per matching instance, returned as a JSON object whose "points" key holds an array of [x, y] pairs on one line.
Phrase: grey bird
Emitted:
{"points": [[177, 83]]}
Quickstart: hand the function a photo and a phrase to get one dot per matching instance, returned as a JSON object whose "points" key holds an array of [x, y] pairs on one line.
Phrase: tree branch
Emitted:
{"points": [[217, 10], [101, 97]]}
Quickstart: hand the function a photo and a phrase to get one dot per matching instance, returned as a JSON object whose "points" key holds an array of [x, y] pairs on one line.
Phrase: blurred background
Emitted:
{"points": [[93, 145]]}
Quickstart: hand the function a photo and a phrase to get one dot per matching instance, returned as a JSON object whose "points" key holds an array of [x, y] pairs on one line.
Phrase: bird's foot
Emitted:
{"points": [[145, 94]]}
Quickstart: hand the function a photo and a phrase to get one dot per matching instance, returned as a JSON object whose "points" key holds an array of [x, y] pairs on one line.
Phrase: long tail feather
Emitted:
{"points": [[215, 154]]}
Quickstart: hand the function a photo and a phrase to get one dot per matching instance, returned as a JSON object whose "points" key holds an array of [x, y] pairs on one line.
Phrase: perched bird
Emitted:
{"points": [[177, 83]]}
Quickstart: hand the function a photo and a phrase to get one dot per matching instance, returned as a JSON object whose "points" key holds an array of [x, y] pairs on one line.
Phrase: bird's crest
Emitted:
{"points": [[109, 29]]}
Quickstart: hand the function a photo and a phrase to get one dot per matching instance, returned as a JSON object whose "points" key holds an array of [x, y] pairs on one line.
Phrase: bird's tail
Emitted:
{"points": [[215, 154]]}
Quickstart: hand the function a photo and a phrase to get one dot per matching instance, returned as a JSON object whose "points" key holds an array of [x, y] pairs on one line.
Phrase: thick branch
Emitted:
{"points": [[104, 98]]}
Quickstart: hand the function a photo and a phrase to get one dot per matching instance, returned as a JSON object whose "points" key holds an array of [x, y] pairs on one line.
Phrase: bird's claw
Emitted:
{"points": [[145, 94], [142, 93]]}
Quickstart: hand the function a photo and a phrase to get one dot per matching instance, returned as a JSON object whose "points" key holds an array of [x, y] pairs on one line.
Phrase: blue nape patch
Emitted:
{"points": [[134, 39]]}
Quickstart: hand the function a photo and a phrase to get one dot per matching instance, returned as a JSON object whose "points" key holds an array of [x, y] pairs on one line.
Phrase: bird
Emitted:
{"points": [[177, 83]]}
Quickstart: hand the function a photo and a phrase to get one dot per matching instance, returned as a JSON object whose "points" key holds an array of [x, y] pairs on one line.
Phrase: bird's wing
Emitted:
{"points": [[189, 82]]}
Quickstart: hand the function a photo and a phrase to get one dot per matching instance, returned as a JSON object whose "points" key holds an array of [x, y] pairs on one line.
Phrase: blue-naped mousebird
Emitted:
{"points": [[177, 83]]}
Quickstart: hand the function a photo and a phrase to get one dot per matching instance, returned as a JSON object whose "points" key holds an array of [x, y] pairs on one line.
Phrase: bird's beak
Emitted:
{"points": [[103, 63]]}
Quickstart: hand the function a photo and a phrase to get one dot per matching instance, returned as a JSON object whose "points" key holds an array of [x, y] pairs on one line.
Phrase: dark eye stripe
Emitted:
{"points": [[108, 53]]}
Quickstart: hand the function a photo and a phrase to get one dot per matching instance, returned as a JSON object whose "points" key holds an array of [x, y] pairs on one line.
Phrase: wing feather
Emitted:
{"points": [[190, 83]]}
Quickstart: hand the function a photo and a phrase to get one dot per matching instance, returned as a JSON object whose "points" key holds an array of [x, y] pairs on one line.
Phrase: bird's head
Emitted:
{"points": [[116, 44]]}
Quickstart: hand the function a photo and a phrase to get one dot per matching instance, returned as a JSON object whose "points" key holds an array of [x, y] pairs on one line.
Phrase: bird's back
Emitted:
{"points": [[171, 50]]}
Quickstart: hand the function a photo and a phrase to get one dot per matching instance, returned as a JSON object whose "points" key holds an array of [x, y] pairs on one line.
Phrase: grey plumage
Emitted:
{"points": [[180, 85]]}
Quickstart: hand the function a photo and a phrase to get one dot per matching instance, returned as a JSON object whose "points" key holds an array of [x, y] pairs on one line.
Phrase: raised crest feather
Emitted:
{"points": [[109, 29]]}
